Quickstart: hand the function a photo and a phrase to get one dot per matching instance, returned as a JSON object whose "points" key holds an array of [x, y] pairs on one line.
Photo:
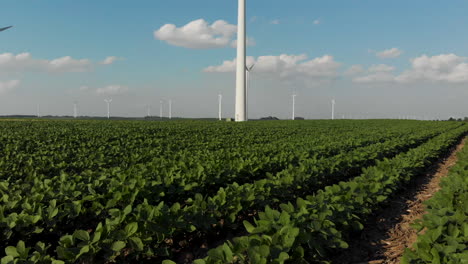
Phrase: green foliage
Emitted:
{"points": [[446, 228], [86, 191]]}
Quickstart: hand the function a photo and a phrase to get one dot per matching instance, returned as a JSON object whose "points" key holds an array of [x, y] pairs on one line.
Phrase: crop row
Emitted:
{"points": [[173, 169], [445, 237], [319, 224]]}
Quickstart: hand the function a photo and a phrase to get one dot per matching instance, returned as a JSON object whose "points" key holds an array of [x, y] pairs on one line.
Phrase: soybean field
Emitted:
{"points": [[206, 192]]}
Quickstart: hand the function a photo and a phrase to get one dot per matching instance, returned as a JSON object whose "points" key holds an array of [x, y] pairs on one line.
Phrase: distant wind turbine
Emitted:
{"points": [[220, 106], [37, 111], [294, 106], [148, 110], [333, 108], [161, 109], [108, 101], [75, 109], [170, 109]]}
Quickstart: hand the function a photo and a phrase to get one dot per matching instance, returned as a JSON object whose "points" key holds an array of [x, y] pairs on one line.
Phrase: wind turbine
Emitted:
{"points": [[75, 109], [148, 111], [248, 69], [108, 101], [240, 70], [37, 111], [220, 106], [294, 106], [161, 109], [333, 108], [170, 109], [5, 28]]}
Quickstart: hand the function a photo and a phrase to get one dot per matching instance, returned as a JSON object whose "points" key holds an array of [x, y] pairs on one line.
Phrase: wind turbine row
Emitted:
{"points": [[161, 104]]}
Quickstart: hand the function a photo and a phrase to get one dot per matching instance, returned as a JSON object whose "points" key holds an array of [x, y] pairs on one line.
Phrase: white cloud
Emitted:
{"points": [[68, 64], [389, 53], [275, 22], [377, 77], [377, 73], [381, 68], [198, 34], [109, 60], [7, 86], [112, 90], [285, 67], [354, 70], [317, 22], [84, 88], [444, 68], [448, 68], [25, 62]]}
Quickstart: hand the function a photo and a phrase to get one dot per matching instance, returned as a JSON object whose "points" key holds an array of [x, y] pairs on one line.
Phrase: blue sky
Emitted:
{"points": [[146, 69]]}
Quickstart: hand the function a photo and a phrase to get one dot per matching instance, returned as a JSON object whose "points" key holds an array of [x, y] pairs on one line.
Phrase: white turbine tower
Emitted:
{"points": [[333, 108], [161, 109], [220, 106], [170, 109], [75, 109], [37, 111], [148, 111], [240, 70], [294, 106], [248, 70], [108, 101]]}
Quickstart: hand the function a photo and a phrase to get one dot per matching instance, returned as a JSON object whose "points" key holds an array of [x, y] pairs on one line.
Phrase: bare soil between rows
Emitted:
{"points": [[388, 233]]}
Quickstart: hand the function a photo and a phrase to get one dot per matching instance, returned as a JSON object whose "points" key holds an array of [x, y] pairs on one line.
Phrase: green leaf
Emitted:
{"points": [[8, 260], [136, 243], [127, 209], [168, 262], [22, 251], [81, 235], [131, 228], [117, 246], [248, 226], [11, 251]]}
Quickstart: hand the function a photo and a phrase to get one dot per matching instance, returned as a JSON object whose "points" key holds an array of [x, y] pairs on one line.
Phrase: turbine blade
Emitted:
{"points": [[5, 28]]}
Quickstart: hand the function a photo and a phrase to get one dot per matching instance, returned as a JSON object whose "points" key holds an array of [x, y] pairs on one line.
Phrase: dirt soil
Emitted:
{"points": [[388, 233]]}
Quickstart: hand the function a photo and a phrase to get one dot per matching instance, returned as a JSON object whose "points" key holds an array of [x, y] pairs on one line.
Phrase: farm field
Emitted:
{"points": [[202, 192]]}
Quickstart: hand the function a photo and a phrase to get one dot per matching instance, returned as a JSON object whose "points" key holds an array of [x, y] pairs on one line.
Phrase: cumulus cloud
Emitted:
{"points": [[198, 34], [286, 67], [381, 68], [377, 77], [112, 90], [355, 70], [317, 22], [275, 22], [109, 60], [448, 68], [7, 86], [25, 62], [389, 53], [376, 73], [445, 68]]}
